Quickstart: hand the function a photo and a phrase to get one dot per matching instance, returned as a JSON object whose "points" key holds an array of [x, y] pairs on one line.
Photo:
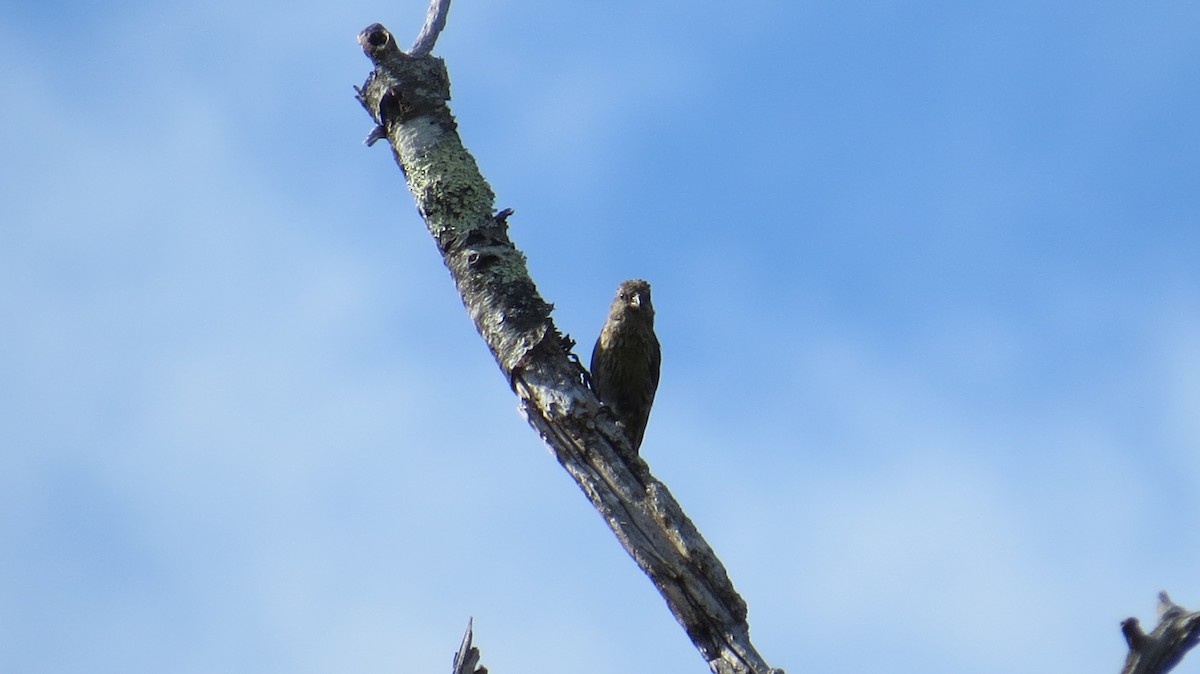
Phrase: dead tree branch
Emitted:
{"points": [[467, 657], [435, 21], [1159, 651], [406, 95]]}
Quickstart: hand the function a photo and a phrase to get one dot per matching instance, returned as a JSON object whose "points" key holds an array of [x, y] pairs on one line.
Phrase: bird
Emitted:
{"points": [[627, 358]]}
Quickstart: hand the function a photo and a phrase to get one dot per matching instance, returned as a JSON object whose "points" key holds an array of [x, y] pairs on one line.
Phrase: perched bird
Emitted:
{"points": [[626, 359]]}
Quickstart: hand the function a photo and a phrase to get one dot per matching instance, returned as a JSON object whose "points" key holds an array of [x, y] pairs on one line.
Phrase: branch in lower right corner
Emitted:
{"points": [[1177, 632]]}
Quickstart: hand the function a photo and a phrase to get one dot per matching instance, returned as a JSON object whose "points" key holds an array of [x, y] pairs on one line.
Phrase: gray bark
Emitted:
{"points": [[1158, 652], [466, 660]]}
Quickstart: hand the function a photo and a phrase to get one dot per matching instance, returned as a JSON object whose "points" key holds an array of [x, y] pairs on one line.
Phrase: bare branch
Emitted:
{"points": [[1159, 651], [467, 657], [406, 96], [435, 21]]}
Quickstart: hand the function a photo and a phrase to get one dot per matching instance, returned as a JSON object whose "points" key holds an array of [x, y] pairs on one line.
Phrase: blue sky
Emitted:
{"points": [[927, 287]]}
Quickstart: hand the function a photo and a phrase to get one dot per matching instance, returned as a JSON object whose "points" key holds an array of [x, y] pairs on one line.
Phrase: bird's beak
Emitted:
{"points": [[636, 302]]}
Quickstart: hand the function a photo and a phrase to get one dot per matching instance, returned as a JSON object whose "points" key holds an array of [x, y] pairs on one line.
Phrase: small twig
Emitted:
{"points": [[435, 21], [468, 656], [1158, 652]]}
